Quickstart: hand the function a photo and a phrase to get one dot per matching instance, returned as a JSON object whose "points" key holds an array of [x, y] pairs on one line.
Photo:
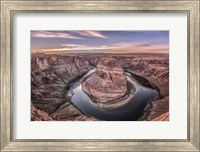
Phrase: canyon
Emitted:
{"points": [[52, 76]]}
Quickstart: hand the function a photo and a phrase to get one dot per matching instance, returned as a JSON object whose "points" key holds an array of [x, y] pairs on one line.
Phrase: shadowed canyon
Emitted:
{"points": [[86, 87]]}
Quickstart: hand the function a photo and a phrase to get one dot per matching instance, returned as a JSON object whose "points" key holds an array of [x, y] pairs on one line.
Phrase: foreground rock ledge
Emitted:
{"points": [[108, 83]]}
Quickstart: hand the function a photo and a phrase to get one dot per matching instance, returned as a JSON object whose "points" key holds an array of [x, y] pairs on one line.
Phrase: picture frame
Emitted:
{"points": [[9, 8]]}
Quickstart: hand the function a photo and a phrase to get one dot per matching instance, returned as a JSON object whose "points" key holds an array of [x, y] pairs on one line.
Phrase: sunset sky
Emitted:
{"points": [[122, 42]]}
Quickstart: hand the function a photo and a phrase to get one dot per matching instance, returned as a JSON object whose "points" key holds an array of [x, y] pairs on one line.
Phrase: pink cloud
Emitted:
{"points": [[75, 47], [134, 47], [91, 34], [141, 46], [47, 34]]}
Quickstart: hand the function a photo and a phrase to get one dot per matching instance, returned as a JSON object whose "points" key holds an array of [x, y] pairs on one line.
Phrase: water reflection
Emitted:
{"points": [[131, 110]]}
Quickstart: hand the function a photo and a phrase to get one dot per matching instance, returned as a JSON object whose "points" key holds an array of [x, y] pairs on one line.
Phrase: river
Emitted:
{"points": [[131, 109]]}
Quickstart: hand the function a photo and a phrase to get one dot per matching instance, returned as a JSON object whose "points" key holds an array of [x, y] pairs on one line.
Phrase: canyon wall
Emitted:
{"points": [[51, 76]]}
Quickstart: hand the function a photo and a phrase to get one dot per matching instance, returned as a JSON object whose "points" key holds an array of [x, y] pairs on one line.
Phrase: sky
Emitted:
{"points": [[119, 42]]}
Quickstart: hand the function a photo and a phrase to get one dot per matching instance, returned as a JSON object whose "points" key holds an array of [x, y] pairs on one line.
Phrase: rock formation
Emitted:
{"points": [[155, 68], [108, 83], [50, 76], [39, 115], [162, 117]]}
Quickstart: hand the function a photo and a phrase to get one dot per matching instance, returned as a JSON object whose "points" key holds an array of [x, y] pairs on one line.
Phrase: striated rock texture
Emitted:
{"points": [[38, 115], [155, 68], [69, 112], [108, 83], [162, 117], [51, 75]]}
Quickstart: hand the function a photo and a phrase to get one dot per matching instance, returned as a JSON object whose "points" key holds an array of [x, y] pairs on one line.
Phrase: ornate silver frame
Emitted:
{"points": [[10, 7]]}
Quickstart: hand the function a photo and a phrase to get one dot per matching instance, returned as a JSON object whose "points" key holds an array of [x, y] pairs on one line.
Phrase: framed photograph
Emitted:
{"points": [[100, 75]]}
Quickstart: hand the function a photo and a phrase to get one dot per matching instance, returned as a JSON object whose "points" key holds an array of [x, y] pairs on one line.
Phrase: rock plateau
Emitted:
{"points": [[108, 83]]}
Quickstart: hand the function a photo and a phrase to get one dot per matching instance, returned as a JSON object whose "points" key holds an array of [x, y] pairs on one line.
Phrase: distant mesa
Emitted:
{"points": [[108, 83]]}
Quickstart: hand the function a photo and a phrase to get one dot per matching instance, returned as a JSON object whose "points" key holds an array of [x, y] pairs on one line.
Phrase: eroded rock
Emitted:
{"points": [[50, 77], [108, 83], [39, 115]]}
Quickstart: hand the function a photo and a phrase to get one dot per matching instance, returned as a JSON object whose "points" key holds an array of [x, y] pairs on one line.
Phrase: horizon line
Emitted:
{"points": [[135, 52]]}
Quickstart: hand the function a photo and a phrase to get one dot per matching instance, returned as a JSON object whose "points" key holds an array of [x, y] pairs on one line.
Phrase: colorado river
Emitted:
{"points": [[132, 109]]}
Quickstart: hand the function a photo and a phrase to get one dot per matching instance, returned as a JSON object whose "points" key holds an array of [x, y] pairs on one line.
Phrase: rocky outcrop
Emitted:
{"points": [[155, 68], [39, 115], [162, 117], [155, 109], [108, 83], [50, 77], [69, 112]]}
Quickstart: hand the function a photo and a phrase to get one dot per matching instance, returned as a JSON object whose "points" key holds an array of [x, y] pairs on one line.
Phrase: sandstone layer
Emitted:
{"points": [[39, 115], [154, 68], [51, 76], [108, 83]]}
